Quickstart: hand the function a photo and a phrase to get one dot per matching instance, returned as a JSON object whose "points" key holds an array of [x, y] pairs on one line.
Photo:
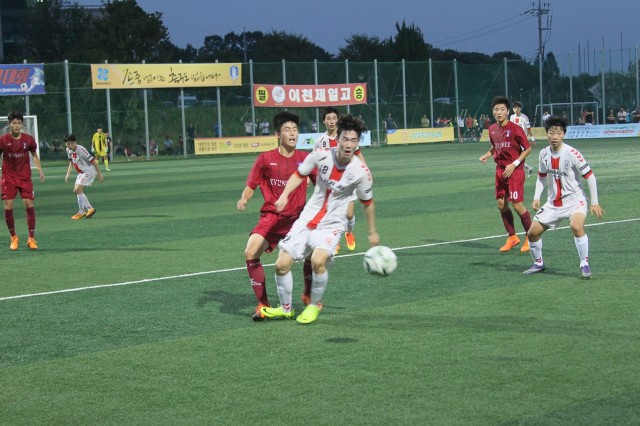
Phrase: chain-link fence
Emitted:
{"points": [[409, 91]]}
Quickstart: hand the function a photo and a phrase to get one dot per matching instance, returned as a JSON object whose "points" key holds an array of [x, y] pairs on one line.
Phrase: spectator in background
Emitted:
{"points": [[611, 118], [589, 118], [168, 145], [622, 116], [545, 117], [424, 122], [180, 145], [314, 126], [389, 124], [153, 147], [109, 146], [248, 127], [635, 115], [264, 126], [191, 135]]}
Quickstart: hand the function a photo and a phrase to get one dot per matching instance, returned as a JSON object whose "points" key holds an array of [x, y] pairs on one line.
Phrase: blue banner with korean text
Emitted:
{"points": [[21, 79]]}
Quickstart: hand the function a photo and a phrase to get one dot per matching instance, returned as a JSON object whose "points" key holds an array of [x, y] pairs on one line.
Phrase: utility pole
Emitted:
{"points": [[543, 9]]}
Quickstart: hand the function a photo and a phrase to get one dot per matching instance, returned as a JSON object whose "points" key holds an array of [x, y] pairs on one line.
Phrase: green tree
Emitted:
{"points": [[127, 34], [364, 48], [409, 43], [278, 45], [52, 33]]}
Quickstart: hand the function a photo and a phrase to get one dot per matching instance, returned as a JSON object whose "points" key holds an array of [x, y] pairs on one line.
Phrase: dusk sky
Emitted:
{"points": [[485, 26]]}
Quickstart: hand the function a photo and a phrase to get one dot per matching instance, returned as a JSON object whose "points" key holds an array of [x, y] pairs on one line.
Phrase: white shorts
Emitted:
{"points": [[551, 216], [301, 241], [85, 179]]}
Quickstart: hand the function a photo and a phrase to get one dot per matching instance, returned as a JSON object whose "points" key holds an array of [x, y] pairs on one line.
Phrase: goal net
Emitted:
{"points": [[29, 125]]}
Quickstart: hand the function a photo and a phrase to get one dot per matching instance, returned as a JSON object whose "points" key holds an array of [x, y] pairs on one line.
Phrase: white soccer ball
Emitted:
{"points": [[380, 260]]}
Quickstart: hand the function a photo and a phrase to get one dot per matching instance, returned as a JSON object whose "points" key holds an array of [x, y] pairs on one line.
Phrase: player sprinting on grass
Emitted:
{"points": [[323, 220], [561, 166], [509, 148], [270, 172], [523, 121], [329, 140], [15, 148], [87, 167]]}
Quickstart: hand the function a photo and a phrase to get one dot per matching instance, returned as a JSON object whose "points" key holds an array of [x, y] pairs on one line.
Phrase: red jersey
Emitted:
{"points": [[508, 142], [271, 171], [15, 156]]}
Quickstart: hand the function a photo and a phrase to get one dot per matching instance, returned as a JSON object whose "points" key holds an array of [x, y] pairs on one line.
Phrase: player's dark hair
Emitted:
{"points": [[70, 138], [328, 110], [500, 100], [15, 115], [517, 104], [282, 117], [556, 121], [348, 122]]}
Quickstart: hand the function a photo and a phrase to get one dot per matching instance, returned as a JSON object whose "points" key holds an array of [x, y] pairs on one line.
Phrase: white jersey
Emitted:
{"points": [[522, 121], [335, 186], [324, 142], [564, 169], [82, 160]]}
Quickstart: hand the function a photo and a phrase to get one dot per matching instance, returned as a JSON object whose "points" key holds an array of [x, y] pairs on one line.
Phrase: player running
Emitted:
{"points": [[87, 167], [15, 148], [270, 172], [323, 220], [562, 165]]}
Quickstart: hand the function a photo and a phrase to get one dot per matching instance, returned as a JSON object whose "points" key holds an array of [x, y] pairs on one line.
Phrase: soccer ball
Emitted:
{"points": [[380, 260]]}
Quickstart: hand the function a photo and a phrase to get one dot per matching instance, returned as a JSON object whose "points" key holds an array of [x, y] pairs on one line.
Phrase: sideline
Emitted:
{"points": [[218, 271]]}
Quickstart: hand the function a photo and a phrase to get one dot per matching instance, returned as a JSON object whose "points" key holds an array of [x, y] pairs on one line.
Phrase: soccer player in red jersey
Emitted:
{"points": [[270, 172], [15, 147], [509, 148]]}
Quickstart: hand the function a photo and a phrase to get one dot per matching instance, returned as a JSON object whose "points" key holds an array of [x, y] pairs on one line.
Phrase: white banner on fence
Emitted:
{"points": [[631, 130], [307, 140]]}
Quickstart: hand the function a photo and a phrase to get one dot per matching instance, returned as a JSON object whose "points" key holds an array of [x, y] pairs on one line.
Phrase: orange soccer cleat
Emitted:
{"points": [[32, 244], [525, 246], [512, 241], [14, 242]]}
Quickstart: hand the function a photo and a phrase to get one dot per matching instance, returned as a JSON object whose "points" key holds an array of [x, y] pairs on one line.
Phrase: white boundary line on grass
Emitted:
{"points": [[195, 274]]}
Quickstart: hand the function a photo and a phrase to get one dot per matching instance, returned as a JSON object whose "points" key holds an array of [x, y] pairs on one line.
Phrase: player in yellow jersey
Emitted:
{"points": [[100, 148]]}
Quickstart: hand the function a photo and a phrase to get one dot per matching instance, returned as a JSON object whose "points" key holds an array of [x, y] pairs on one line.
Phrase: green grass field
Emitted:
{"points": [[141, 315]]}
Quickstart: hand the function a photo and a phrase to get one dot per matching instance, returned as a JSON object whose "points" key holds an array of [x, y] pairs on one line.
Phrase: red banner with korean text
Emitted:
{"points": [[308, 95]]}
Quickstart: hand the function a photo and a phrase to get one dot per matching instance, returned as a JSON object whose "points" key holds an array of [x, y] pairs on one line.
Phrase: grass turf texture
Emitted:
{"points": [[457, 335]]}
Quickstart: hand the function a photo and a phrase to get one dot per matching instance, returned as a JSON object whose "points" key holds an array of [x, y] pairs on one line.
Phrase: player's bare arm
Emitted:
{"points": [[36, 161], [370, 215], [98, 173], [247, 194], [508, 170], [484, 157], [294, 181]]}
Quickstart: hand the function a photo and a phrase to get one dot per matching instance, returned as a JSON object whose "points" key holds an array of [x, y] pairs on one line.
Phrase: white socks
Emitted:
{"points": [[319, 286], [284, 284], [351, 223], [83, 202], [582, 244], [535, 248]]}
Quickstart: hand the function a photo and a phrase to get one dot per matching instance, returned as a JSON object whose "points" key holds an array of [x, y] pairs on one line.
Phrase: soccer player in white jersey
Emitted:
{"points": [[87, 167], [323, 220], [523, 121], [329, 140], [562, 165]]}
